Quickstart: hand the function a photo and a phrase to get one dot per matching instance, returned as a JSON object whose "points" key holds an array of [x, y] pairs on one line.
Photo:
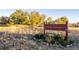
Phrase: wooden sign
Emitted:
{"points": [[58, 27]]}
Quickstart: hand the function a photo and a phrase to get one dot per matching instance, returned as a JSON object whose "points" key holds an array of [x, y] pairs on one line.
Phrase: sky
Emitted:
{"points": [[71, 14]]}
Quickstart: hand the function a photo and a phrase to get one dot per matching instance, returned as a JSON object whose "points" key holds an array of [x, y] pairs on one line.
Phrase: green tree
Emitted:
{"points": [[61, 20], [49, 20]]}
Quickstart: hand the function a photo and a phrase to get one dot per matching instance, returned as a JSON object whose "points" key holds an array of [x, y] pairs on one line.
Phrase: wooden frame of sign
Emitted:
{"points": [[57, 27]]}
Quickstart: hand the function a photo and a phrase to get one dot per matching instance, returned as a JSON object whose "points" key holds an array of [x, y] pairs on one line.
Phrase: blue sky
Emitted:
{"points": [[72, 14]]}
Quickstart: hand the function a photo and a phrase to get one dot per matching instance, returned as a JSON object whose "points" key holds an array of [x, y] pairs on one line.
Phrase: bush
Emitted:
{"points": [[52, 39], [39, 37], [59, 39]]}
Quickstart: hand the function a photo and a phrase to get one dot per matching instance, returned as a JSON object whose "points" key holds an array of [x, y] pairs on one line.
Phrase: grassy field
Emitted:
{"points": [[14, 40], [24, 28], [72, 28], [14, 29]]}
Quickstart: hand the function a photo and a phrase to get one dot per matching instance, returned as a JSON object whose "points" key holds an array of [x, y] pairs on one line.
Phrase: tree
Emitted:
{"points": [[37, 19], [32, 18], [4, 20], [61, 20], [20, 17], [49, 20]]}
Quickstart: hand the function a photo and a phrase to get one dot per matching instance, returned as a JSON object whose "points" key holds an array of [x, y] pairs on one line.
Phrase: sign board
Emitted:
{"points": [[57, 27]]}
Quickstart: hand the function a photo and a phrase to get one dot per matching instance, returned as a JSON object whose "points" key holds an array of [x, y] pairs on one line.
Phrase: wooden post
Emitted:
{"points": [[44, 27], [66, 37]]}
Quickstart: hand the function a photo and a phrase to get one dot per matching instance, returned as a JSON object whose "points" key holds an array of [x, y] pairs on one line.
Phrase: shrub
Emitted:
{"points": [[39, 37], [52, 39], [61, 40], [58, 38]]}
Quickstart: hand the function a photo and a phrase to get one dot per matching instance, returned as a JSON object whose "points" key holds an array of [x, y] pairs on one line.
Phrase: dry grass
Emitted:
{"points": [[21, 29], [15, 41], [14, 29], [72, 28]]}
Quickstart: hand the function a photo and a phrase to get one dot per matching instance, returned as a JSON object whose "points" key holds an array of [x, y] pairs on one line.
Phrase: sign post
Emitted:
{"points": [[58, 27], [66, 37]]}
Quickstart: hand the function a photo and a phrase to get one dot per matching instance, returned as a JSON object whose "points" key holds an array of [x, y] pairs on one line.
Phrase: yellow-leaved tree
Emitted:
{"points": [[37, 19], [20, 17]]}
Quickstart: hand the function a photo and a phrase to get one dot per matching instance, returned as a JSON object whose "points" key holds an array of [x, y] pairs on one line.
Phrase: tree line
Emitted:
{"points": [[30, 18]]}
